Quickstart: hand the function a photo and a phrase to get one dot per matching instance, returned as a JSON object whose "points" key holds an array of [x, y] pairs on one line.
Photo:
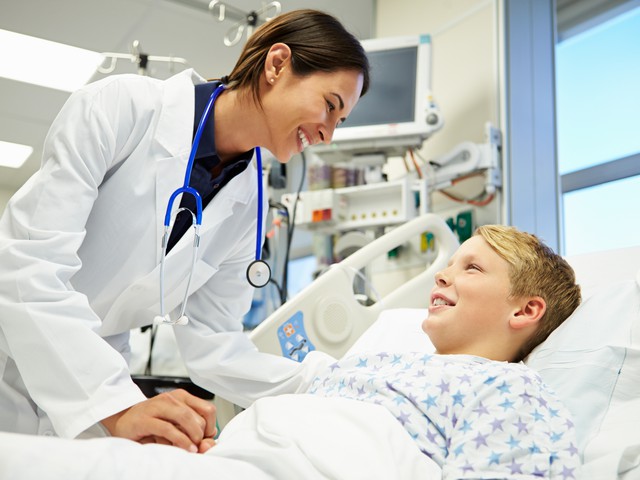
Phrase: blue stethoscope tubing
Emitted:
{"points": [[258, 272]]}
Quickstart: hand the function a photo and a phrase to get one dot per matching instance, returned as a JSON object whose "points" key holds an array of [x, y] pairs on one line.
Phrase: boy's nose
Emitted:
{"points": [[441, 279]]}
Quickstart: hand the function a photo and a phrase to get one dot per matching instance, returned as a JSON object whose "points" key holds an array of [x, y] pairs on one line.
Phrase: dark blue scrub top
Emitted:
{"points": [[206, 159]]}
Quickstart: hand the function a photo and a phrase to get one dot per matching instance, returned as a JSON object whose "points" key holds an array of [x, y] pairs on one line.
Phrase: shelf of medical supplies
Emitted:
{"points": [[349, 208]]}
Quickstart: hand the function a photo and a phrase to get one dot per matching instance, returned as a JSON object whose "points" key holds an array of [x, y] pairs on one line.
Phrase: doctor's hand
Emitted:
{"points": [[172, 418]]}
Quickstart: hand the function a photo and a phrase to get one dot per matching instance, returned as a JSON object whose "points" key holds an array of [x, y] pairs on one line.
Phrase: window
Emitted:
{"points": [[598, 100]]}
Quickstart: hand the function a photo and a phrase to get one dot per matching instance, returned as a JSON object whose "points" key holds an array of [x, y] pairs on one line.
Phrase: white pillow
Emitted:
{"points": [[395, 330], [592, 361]]}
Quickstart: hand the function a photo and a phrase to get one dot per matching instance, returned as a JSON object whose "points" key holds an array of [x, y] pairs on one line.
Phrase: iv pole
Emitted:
{"points": [[244, 20], [142, 59]]}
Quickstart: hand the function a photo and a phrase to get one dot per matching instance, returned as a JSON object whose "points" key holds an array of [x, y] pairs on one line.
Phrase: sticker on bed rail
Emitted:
{"points": [[293, 339]]}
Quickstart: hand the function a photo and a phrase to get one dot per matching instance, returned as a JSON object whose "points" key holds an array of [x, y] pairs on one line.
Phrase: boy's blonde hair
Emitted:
{"points": [[535, 270]]}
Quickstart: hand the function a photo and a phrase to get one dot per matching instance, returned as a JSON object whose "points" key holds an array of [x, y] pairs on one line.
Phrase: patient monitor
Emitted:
{"points": [[398, 111]]}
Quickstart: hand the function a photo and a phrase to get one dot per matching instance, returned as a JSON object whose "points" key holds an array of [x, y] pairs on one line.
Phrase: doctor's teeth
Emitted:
{"points": [[303, 138]]}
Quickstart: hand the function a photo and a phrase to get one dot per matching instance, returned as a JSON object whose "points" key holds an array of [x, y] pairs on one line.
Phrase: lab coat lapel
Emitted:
{"points": [[175, 125], [174, 133]]}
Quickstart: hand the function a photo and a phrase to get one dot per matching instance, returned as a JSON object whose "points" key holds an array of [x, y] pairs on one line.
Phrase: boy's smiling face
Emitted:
{"points": [[470, 306]]}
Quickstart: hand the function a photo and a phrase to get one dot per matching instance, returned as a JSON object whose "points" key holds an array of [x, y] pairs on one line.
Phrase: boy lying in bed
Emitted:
{"points": [[471, 407]]}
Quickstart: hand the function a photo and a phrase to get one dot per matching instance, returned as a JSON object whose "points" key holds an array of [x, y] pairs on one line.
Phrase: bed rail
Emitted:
{"points": [[327, 316]]}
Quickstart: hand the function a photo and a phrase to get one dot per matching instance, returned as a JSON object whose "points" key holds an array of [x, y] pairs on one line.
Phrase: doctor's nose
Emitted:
{"points": [[326, 135]]}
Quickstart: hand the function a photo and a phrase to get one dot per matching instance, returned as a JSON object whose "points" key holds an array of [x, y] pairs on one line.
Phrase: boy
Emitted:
{"points": [[469, 406]]}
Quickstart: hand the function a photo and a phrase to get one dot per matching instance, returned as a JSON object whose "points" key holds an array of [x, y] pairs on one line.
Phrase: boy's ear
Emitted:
{"points": [[531, 311]]}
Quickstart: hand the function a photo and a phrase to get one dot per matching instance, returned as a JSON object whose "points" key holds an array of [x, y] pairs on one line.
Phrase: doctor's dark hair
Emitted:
{"points": [[318, 43], [535, 270]]}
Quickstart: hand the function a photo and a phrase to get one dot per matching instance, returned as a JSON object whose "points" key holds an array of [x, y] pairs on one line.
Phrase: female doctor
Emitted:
{"points": [[81, 242]]}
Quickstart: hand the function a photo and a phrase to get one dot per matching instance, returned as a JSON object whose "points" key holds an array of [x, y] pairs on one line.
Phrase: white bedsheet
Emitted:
{"points": [[291, 436]]}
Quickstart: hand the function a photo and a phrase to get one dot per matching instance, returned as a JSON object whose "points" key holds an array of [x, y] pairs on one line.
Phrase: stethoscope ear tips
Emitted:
{"points": [[160, 320], [258, 273]]}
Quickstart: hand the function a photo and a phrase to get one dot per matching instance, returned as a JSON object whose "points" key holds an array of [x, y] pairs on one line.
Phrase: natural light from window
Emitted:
{"points": [[595, 222], [598, 100]]}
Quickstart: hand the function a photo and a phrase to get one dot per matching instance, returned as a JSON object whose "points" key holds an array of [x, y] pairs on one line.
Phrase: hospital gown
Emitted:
{"points": [[476, 418]]}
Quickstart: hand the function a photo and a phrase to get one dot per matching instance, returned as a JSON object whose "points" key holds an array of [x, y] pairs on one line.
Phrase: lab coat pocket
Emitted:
{"points": [[140, 303], [202, 272], [176, 285]]}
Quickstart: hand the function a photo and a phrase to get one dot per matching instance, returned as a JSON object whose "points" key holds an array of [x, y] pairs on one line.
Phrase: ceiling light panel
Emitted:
{"points": [[46, 63]]}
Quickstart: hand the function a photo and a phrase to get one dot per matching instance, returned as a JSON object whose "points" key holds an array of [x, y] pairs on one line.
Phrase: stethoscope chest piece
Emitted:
{"points": [[258, 273]]}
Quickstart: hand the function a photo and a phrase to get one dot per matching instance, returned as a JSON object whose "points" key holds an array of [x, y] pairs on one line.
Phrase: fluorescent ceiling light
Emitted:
{"points": [[13, 154], [42, 62]]}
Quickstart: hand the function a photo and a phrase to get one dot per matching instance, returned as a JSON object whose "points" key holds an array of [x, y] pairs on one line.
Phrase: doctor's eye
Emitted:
{"points": [[330, 106]]}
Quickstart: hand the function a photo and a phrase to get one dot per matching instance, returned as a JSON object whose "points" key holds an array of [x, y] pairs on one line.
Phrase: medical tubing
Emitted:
{"points": [[192, 156], [259, 202], [196, 138], [165, 239], [291, 225], [194, 255], [196, 195]]}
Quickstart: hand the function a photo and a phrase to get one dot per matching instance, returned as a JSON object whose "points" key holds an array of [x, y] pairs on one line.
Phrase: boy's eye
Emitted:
{"points": [[473, 266]]}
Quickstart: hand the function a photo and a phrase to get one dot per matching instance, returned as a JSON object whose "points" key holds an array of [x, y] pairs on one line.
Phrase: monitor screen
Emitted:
{"points": [[398, 111], [392, 93]]}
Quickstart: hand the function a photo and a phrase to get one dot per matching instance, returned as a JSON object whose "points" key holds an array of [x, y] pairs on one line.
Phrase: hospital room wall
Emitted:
{"points": [[465, 73], [464, 65]]}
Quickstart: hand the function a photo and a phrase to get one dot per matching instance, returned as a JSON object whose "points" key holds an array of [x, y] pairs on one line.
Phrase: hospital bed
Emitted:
{"points": [[592, 361]]}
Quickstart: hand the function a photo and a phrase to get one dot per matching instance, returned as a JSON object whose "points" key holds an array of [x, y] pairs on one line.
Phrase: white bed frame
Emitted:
{"points": [[331, 318]]}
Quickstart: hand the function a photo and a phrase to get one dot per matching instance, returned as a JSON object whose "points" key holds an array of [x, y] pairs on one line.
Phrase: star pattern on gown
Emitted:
{"points": [[471, 414]]}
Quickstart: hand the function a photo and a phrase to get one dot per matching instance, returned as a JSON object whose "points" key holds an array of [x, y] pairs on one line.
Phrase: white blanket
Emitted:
{"points": [[291, 436]]}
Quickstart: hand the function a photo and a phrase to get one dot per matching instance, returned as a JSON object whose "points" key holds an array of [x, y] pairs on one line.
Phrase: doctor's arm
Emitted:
{"points": [[76, 377]]}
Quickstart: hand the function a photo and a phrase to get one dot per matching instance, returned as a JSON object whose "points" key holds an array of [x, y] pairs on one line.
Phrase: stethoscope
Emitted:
{"points": [[258, 271]]}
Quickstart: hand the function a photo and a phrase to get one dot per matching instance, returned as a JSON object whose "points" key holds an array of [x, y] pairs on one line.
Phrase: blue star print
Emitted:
{"points": [[479, 418]]}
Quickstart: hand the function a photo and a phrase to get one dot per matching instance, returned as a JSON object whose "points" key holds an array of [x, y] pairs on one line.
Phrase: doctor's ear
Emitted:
{"points": [[531, 311], [277, 59]]}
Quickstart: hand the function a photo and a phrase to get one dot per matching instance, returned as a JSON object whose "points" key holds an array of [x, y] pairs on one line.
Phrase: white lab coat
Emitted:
{"points": [[79, 257]]}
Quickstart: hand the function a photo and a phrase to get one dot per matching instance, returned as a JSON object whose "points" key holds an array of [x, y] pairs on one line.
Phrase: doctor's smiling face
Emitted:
{"points": [[303, 72], [304, 110]]}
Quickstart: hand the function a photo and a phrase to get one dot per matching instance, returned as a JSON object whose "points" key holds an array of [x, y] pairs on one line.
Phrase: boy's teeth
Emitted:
{"points": [[440, 301]]}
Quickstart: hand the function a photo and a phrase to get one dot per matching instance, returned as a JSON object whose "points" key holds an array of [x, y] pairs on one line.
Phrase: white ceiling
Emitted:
{"points": [[163, 28]]}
